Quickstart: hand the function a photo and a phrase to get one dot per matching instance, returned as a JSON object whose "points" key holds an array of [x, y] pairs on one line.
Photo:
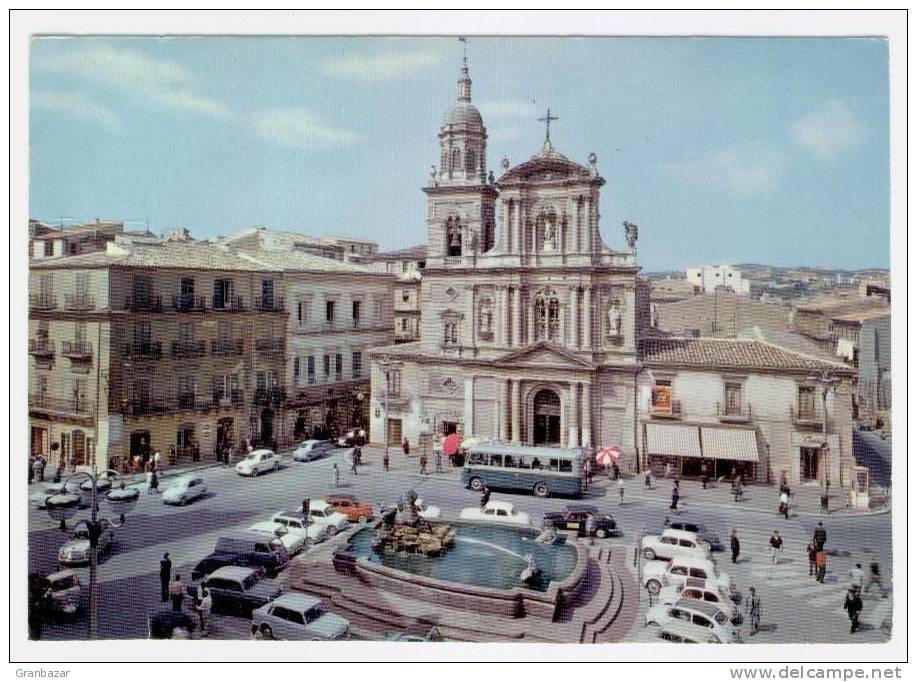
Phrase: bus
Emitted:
{"points": [[540, 470]]}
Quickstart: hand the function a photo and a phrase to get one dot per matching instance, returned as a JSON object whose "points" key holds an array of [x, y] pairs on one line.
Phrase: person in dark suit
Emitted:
{"points": [[165, 576], [734, 545]]}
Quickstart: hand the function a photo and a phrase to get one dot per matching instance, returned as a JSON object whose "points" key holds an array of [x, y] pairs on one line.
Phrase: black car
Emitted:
{"points": [[352, 438], [245, 549], [163, 624], [574, 518]]}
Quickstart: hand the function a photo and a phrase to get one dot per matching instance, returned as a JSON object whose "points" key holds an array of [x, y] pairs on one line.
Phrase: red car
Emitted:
{"points": [[351, 507]]}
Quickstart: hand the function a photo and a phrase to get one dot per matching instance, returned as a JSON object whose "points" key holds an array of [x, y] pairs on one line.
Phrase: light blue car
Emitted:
{"points": [[312, 449], [301, 617]]}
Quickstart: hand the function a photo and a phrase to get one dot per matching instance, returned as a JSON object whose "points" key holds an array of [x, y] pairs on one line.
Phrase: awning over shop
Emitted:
{"points": [[672, 439], [738, 445]]}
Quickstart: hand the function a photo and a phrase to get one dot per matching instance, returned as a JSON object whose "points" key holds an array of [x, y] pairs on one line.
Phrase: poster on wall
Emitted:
{"points": [[661, 400]]}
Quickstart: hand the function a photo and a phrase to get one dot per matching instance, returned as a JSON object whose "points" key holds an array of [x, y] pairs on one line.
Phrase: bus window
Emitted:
{"points": [[496, 460], [566, 466], [477, 458], [536, 463], [552, 465], [509, 461], [523, 463]]}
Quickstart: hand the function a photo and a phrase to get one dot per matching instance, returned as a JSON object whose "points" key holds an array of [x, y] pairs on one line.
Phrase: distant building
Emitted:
{"points": [[407, 265], [353, 247], [721, 313], [47, 241], [711, 276], [668, 289]]}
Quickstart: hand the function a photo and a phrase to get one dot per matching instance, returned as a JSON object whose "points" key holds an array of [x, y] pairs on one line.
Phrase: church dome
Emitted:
{"points": [[463, 115]]}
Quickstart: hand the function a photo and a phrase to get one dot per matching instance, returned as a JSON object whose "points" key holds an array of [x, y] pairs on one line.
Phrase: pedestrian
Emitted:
{"points": [[703, 476], [485, 496], [857, 578], [423, 463], [587, 471], [668, 469], [824, 502], [785, 505], [37, 470], [165, 576], [385, 460], [620, 491], [354, 460], [734, 545], [305, 508], [157, 458], [615, 471], [589, 528], [31, 469], [674, 505], [875, 576], [154, 481], [647, 482], [737, 489], [853, 605], [821, 565], [753, 609], [254, 632], [203, 605], [177, 593], [59, 474], [810, 551], [439, 462], [820, 537], [776, 543], [406, 447], [337, 474]]}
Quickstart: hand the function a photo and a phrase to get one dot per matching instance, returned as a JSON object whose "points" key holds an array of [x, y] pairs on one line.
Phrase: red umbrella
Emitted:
{"points": [[605, 456], [451, 444]]}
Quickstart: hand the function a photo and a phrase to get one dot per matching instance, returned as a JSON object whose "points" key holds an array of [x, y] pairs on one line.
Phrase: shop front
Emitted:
{"points": [[692, 452]]}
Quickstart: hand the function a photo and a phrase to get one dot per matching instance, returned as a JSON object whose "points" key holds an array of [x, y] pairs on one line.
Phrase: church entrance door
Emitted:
{"points": [[547, 418]]}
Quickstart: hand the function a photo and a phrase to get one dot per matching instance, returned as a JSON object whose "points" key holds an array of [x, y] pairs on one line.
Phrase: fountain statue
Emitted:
{"points": [[531, 569], [403, 529]]}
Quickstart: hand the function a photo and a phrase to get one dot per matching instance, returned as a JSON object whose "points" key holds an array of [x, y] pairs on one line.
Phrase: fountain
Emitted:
{"points": [[402, 529]]}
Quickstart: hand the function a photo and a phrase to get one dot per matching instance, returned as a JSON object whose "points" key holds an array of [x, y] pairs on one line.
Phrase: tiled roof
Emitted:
{"points": [[415, 252], [173, 255], [300, 261], [729, 354]]}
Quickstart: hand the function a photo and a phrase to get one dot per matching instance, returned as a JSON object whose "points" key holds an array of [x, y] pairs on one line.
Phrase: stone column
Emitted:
{"points": [[587, 414], [504, 232], [514, 406], [503, 423], [574, 319], [587, 317], [469, 407], [520, 229], [521, 306], [514, 317], [573, 424]]}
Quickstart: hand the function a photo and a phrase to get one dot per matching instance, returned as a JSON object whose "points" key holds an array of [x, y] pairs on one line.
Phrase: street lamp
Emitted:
{"points": [[64, 506]]}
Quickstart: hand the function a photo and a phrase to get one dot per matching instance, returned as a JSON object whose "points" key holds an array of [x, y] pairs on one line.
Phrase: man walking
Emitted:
{"points": [[785, 504], [753, 609], [853, 605], [157, 459], [810, 550], [305, 508], [875, 576], [204, 606], [177, 593], [165, 575], [154, 481], [674, 505], [620, 491], [857, 578], [821, 565], [776, 543], [439, 462], [385, 460], [336, 473], [354, 459], [734, 545], [423, 463], [485, 497], [820, 537]]}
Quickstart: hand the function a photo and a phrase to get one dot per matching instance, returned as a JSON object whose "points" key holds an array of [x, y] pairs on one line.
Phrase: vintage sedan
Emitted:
{"points": [[354, 437], [323, 513], [299, 617], [351, 507], [64, 590], [575, 518], [695, 588], [658, 574], [296, 537], [696, 612], [671, 543], [76, 551], [707, 537], [258, 461], [312, 449], [184, 489], [496, 512], [238, 589]]}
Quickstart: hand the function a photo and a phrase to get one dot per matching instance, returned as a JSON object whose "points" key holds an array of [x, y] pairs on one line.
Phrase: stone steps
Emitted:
{"points": [[617, 628]]}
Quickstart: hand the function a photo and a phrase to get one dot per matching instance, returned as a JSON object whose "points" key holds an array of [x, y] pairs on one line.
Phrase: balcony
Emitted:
{"points": [[187, 303], [734, 414], [41, 348], [267, 396], [222, 399], [269, 345], [149, 350], [80, 407], [143, 304], [42, 301], [233, 304], [806, 417], [269, 305], [79, 301], [226, 347], [673, 412], [189, 349], [183, 403], [77, 350]]}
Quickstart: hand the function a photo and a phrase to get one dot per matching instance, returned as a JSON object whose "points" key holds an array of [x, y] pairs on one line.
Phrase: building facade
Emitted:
{"points": [[712, 276], [407, 266]]}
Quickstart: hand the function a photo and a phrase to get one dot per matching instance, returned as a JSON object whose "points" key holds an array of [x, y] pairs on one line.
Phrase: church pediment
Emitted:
{"points": [[544, 354]]}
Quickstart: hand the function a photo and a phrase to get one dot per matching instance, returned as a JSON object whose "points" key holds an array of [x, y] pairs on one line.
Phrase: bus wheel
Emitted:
{"points": [[475, 483], [541, 489]]}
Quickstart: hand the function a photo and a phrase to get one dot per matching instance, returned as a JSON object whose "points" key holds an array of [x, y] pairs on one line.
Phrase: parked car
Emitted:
{"points": [[696, 612], [246, 549], [299, 616], [704, 534], [354, 437], [312, 449], [416, 632], [239, 590], [76, 551], [168, 624], [184, 489], [496, 512], [295, 522], [695, 588], [574, 517], [39, 497], [671, 543], [323, 513], [295, 537], [658, 574], [64, 589], [351, 507], [679, 632], [258, 461]]}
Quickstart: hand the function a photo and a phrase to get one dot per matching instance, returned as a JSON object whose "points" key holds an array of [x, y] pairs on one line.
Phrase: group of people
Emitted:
{"points": [[174, 590]]}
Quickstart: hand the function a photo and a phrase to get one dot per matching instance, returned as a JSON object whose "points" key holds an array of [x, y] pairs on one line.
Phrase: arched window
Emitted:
{"points": [[471, 161], [547, 316], [454, 237], [456, 164]]}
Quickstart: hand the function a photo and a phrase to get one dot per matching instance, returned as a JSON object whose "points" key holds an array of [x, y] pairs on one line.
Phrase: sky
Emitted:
{"points": [[736, 150]]}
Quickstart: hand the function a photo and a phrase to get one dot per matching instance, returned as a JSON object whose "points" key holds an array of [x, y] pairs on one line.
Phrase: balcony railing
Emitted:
{"points": [[188, 349], [76, 406], [80, 301], [41, 348], [734, 413], [674, 412], [272, 305], [144, 304], [269, 345], [188, 303], [805, 416], [150, 350], [226, 347], [76, 350], [42, 301], [182, 404], [221, 398], [234, 304]]}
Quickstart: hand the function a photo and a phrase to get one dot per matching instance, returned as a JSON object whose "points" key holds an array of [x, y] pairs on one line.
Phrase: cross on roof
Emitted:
{"points": [[464, 42], [547, 118]]}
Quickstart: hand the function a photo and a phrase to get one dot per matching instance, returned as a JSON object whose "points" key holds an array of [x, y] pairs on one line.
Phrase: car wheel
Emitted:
{"points": [[475, 483], [649, 554], [601, 533], [254, 473], [362, 520], [541, 489], [653, 587], [266, 631]]}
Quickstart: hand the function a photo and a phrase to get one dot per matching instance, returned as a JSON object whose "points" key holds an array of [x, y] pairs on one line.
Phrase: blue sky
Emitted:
{"points": [[725, 150]]}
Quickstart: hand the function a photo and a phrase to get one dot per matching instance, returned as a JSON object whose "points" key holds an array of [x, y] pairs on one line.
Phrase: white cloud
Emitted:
{"points": [[389, 65], [302, 129], [745, 171], [186, 101], [76, 105], [830, 130]]}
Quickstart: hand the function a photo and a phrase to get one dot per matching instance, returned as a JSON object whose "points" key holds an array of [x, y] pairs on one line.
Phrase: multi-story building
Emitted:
{"points": [[46, 241], [407, 266], [710, 277]]}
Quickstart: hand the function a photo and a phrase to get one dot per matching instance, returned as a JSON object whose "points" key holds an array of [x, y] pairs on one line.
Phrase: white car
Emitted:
{"points": [[695, 612], [425, 511], [672, 543], [184, 489], [294, 539], [299, 616], [658, 574], [695, 588], [496, 512], [321, 513], [312, 449], [258, 461], [77, 550]]}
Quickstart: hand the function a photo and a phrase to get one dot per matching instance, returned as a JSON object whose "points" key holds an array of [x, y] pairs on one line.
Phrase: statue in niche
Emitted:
{"points": [[614, 318], [550, 234], [485, 319]]}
